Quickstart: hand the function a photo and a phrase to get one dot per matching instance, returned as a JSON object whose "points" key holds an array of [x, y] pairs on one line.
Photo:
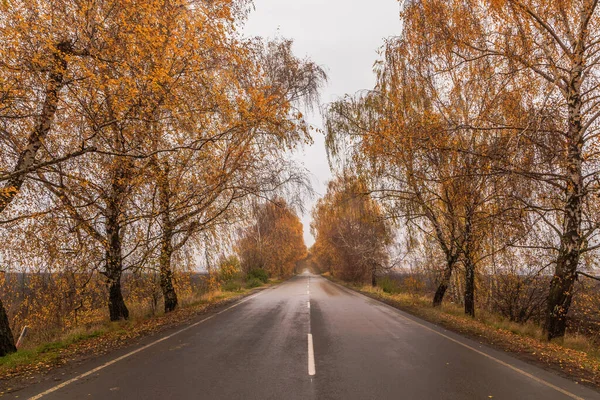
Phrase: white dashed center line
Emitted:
{"points": [[311, 350], [311, 356]]}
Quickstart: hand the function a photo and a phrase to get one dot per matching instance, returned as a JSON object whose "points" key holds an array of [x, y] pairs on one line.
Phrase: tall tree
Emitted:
{"points": [[237, 144], [46, 49], [156, 54], [550, 48], [412, 137]]}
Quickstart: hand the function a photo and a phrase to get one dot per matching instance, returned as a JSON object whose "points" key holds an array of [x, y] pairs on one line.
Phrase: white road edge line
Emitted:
{"points": [[308, 304], [311, 356], [507, 365], [116, 360]]}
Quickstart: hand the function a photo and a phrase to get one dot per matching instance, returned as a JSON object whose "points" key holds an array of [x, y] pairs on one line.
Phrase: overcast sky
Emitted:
{"points": [[342, 36]]}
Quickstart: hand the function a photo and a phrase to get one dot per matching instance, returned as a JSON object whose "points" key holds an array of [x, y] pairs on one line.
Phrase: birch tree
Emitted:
{"points": [[551, 49]]}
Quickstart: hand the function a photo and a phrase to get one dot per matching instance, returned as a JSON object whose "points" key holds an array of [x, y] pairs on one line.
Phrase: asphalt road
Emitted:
{"points": [[261, 348]]}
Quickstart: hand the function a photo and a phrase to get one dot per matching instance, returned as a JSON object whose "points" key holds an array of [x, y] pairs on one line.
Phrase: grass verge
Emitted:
{"points": [[575, 357]]}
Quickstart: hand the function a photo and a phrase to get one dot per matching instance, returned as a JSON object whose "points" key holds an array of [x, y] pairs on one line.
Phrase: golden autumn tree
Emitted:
{"points": [[275, 241], [236, 144], [352, 236], [151, 48], [47, 49], [413, 141], [548, 50], [184, 118], [202, 136]]}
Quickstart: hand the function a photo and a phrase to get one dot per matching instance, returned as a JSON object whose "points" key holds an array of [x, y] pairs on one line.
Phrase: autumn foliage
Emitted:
{"points": [[352, 238], [480, 139], [133, 134], [274, 242]]}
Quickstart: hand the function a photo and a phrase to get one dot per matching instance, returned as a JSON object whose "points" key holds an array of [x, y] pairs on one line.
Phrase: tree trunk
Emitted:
{"points": [[445, 282], [469, 286], [169, 293], [469, 263], [166, 251], [166, 273], [116, 304], [166, 284], [7, 341], [114, 269], [374, 277], [114, 256], [561, 287]]}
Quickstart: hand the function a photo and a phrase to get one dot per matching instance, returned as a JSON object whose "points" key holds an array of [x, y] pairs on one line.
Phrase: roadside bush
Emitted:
{"points": [[258, 273], [213, 283], [229, 269], [253, 282], [388, 285], [232, 286], [412, 285]]}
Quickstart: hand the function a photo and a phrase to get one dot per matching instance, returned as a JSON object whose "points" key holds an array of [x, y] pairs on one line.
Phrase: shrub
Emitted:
{"points": [[232, 286], [213, 283], [229, 269], [388, 285], [259, 274], [253, 282]]}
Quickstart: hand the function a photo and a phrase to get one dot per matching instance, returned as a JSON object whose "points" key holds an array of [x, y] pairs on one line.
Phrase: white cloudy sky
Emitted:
{"points": [[343, 36]]}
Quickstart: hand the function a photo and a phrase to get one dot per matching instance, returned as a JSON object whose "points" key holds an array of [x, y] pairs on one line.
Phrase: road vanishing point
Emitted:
{"points": [[306, 338]]}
